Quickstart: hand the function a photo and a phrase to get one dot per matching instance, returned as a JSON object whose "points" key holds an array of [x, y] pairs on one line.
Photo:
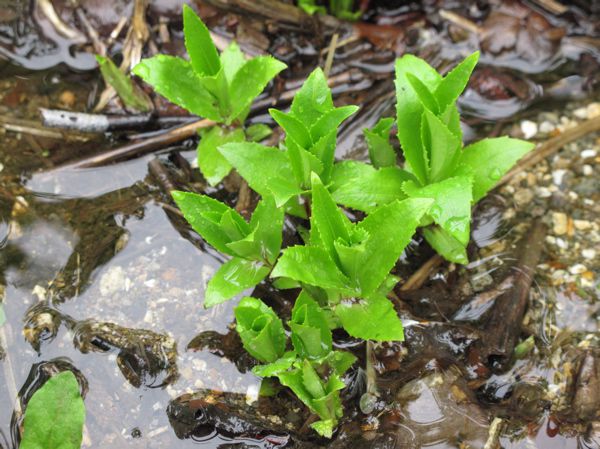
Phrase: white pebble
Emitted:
{"points": [[578, 269], [588, 170], [562, 244], [589, 253], [557, 176], [547, 127], [588, 154], [529, 129], [580, 112]]}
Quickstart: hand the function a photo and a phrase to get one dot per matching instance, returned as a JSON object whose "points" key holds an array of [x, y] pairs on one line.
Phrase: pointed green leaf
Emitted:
{"points": [[313, 99], [55, 415], [131, 95], [489, 159], [232, 278], [267, 170], [212, 164], [327, 219], [389, 229], [303, 163], [424, 94], [201, 49], [362, 187], [324, 427], [310, 265], [373, 318], [324, 150], [204, 215], [442, 146], [453, 84], [249, 81], [267, 225], [330, 121], [452, 204], [445, 245], [258, 132], [260, 329], [409, 109], [232, 59], [311, 335], [381, 152], [278, 366], [160, 71], [451, 118], [293, 128]]}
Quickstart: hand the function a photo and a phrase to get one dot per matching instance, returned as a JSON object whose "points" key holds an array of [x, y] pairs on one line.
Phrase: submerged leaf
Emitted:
{"points": [[55, 415]]}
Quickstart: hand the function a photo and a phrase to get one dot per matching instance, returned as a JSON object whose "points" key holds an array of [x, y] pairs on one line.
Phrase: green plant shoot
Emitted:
{"points": [[218, 87], [311, 128], [253, 246], [437, 166]]}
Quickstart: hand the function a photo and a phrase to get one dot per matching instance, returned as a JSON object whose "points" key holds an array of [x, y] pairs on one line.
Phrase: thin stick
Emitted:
{"points": [[418, 278], [493, 434], [139, 148], [330, 54], [13, 392], [460, 21], [553, 6]]}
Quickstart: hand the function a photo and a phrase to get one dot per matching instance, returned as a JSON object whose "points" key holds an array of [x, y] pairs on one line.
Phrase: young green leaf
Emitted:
{"points": [[310, 265], [381, 152], [425, 96], [372, 318], [443, 147], [160, 71], [331, 121], [213, 165], [446, 245], [360, 186], [294, 128], [55, 415], [409, 110], [232, 278], [258, 132], [324, 150], [249, 81], [260, 329], [131, 95], [203, 53], [452, 204], [267, 170], [389, 230], [327, 222], [489, 159], [204, 214], [311, 336], [453, 84], [303, 163], [278, 366], [232, 59], [313, 99]]}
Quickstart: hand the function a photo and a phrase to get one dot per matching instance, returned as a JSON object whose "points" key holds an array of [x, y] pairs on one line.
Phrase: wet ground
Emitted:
{"points": [[98, 273]]}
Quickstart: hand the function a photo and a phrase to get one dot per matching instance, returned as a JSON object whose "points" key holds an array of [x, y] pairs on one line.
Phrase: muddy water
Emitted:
{"points": [[98, 277]]}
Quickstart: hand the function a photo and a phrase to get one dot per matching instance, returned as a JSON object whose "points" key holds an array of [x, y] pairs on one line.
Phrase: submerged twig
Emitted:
{"points": [[418, 278], [140, 148], [99, 123], [330, 54], [506, 316]]}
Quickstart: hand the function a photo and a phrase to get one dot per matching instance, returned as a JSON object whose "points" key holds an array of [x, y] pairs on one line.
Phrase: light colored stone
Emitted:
{"points": [[529, 129], [589, 253], [557, 176], [582, 225], [112, 281], [588, 170], [523, 197], [589, 153], [578, 269], [559, 223], [547, 127], [593, 110], [581, 113]]}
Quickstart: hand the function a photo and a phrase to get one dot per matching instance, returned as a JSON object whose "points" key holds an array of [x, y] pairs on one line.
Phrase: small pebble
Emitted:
{"points": [[67, 99], [589, 253], [581, 113], [559, 223], [588, 170], [593, 110], [578, 269], [582, 225], [557, 176], [523, 197], [547, 127], [529, 129], [588, 154]]}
